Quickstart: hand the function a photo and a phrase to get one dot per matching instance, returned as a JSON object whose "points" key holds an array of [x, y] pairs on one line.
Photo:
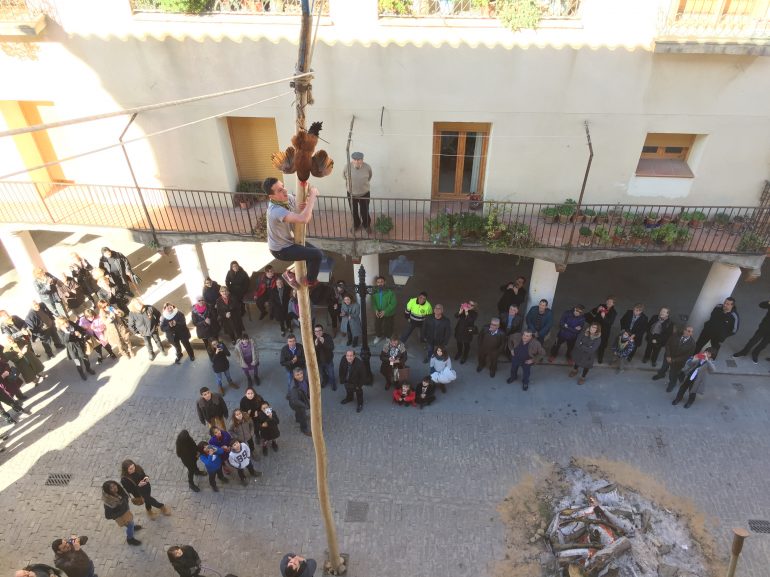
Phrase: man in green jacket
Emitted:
{"points": [[417, 310], [384, 300]]}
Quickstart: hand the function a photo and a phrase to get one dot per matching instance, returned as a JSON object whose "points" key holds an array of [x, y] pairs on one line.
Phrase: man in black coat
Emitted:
{"points": [[514, 293], [119, 270], [38, 570], [70, 557], [658, 332], [212, 409], [324, 352], [40, 321], [353, 376], [722, 323], [761, 337], [635, 322], [292, 356], [679, 348], [299, 400], [604, 314], [438, 331], [492, 340]]}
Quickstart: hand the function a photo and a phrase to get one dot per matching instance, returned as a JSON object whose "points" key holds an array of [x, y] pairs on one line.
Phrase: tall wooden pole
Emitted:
{"points": [[303, 98]]}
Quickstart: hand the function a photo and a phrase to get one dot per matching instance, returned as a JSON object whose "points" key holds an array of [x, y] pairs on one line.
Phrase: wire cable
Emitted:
{"points": [[145, 108], [143, 137]]}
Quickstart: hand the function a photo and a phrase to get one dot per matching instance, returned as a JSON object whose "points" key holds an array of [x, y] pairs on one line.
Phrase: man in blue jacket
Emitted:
{"points": [[571, 324], [539, 320]]}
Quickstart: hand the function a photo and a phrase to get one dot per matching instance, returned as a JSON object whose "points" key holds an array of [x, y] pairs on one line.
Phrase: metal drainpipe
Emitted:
{"points": [[133, 177], [582, 193]]}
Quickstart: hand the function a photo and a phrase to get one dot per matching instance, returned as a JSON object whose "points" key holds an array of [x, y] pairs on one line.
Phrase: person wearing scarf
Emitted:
{"points": [[205, 320], [174, 325], [393, 357], [115, 500]]}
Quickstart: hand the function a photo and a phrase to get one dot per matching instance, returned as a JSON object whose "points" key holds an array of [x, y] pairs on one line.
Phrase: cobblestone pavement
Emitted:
{"points": [[430, 480], [425, 485]]}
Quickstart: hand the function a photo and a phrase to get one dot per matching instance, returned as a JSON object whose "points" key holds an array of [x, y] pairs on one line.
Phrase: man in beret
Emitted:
{"points": [[357, 177]]}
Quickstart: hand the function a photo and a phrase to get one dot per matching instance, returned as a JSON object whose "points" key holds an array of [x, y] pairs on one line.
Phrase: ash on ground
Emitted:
{"points": [[601, 530]]}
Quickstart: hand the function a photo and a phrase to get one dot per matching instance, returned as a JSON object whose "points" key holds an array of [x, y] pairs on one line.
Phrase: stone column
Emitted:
{"points": [[542, 285], [720, 284], [191, 269], [25, 258]]}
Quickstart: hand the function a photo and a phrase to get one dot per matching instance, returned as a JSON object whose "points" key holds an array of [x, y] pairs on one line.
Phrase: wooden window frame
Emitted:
{"points": [[462, 128], [665, 155]]}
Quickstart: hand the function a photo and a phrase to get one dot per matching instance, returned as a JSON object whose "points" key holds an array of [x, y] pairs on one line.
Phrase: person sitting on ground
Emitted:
{"points": [[185, 560], [623, 349], [280, 236], [441, 365], [425, 393], [404, 395]]}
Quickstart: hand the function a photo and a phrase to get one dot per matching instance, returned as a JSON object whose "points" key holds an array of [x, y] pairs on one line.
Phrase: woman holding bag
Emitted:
{"points": [[137, 483], [116, 507]]}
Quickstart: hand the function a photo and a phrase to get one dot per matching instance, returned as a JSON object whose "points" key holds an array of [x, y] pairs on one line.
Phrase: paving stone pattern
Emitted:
{"points": [[429, 480]]}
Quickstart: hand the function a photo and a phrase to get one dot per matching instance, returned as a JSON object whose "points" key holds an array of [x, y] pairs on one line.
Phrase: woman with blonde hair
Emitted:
{"points": [[47, 287]]}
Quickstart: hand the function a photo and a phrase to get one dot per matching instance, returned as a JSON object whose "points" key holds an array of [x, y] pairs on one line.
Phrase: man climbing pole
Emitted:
{"points": [[280, 236]]}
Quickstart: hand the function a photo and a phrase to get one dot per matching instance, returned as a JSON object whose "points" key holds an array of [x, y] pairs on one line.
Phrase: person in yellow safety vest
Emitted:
{"points": [[417, 310]]}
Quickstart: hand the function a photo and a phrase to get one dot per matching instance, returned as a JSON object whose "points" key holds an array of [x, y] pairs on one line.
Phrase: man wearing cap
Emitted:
{"points": [[357, 177]]}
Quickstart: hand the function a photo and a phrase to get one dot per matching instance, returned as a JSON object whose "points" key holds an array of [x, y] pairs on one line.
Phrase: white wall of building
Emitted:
{"points": [[536, 88]]}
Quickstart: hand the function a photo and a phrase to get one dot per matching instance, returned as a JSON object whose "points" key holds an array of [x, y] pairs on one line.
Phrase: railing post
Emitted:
{"points": [[136, 183]]}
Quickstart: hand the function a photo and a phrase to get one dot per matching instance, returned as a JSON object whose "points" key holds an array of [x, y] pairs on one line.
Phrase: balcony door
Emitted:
{"points": [[459, 159]]}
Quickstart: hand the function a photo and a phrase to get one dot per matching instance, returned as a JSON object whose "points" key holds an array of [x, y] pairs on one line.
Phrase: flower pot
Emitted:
{"points": [[601, 219], [666, 218], [584, 241], [244, 205], [696, 223]]}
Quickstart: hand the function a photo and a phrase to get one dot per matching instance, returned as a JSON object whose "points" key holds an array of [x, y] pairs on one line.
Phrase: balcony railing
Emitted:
{"points": [[18, 10], [504, 226], [227, 6], [717, 20], [471, 8]]}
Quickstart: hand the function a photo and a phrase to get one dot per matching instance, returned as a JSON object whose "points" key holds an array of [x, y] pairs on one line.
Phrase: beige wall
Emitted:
{"points": [[536, 89]]}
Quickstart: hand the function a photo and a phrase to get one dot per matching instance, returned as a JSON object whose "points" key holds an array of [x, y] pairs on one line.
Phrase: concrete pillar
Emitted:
{"points": [[25, 258], [542, 285], [720, 284], [371, 263], [191, 269]]}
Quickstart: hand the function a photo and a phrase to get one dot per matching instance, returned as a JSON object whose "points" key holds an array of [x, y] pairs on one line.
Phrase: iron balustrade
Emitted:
{"points": [[706, 19], [469, 8], [292, 7], [489, 225]]}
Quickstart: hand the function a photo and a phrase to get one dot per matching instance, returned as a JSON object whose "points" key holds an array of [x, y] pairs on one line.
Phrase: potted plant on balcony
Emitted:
{"points": [[585, 236], [639, 235], [651, 220], [260, 228], [721, 220], [683, 236], [549, 213], [602, 218], [737, 224], [475, 201], [439, 228], [566, 210], [383, 224], [601, 236], [665, 235], [469, 226], [695, 218], [751, 242], [619, 236], [665, 218], [498, 233], [521, 236]]}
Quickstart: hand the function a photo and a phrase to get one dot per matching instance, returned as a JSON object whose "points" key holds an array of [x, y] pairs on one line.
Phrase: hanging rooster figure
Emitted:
{"points": [[299, 158]]}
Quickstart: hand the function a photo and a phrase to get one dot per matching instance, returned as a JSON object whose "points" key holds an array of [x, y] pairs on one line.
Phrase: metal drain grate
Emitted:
{"points": [[58, 479], [731, 363], [356, 512], [759, 526]]}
